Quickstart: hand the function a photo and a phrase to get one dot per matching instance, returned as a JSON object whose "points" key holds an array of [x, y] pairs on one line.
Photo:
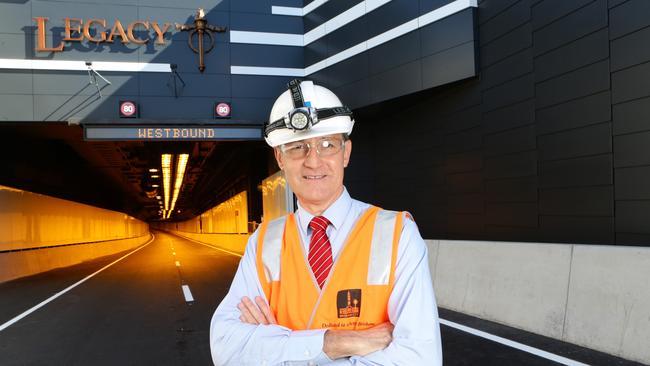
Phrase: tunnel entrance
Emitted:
{"points": [[113, 168]]}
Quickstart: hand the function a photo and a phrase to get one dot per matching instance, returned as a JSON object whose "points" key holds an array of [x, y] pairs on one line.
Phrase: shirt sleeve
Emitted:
{"points": [[233, 342], [411, 308]]}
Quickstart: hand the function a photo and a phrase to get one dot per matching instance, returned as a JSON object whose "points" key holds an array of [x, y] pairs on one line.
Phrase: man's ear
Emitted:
{"points": [[346, 153], [278, 157]]}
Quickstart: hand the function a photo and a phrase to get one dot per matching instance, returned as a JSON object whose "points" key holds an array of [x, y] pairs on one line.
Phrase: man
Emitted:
{"points": [[340, 282]]}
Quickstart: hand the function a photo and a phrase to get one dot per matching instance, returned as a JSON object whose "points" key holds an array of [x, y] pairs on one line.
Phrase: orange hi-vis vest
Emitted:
{"points": [[356, 292]]}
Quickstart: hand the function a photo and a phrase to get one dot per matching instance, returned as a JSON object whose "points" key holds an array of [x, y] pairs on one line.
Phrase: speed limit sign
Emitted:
{"points": [[221, 110], [128, 109]]}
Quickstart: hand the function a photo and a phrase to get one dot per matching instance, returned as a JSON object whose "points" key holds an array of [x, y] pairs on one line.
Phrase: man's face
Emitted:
{"points": [[316, 179]]}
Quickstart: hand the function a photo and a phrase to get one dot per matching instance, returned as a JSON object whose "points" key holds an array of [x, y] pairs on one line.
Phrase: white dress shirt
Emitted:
{"points": [[411, 306]]}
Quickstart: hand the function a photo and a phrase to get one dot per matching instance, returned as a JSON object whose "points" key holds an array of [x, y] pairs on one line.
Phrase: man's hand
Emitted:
{"points": [[255, 313], [345, 343]]}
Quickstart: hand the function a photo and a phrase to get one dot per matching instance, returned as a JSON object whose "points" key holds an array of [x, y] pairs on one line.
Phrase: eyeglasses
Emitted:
{"points": [[324, 147]]}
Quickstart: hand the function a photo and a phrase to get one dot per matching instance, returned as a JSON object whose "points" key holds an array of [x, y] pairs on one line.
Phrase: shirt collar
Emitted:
{"points": [[336, 213]]}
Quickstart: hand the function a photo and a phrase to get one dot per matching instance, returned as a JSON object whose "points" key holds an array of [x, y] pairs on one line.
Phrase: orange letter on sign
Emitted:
{"points": [[129, 32], [69, 29], [40, 21], [102, 34], [117, 27], [160, 32]]}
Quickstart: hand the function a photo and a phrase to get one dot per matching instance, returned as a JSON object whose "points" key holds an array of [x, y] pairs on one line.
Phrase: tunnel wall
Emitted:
{"points": [[224, 226], [594, 296], [39, 233]]}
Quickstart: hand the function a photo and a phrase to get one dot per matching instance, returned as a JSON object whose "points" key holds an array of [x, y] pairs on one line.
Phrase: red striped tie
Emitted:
{"points": [[320, 250]]}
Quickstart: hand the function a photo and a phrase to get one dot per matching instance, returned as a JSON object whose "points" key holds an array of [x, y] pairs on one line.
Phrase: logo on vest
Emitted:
{"points": [[348, 303]]}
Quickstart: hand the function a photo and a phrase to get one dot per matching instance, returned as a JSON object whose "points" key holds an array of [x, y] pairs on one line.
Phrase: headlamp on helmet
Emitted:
{"points": [[303, 116]]}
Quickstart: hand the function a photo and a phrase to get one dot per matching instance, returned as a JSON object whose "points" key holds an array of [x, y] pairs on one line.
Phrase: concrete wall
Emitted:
{"points": [[231, 242], [594, 296], [39, 233]]}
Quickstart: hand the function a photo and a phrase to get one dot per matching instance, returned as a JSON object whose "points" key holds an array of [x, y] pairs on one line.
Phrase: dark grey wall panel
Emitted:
{"points": [[632, 217], [631, 83], [266, 55], [511, 166], [628, 17], [447, 33], [429, 5], [512, 116], [512, 141], [448, 66], [509, 93], [632, 116], [503, 47], [577, 229], [517, 214], [488, 9], [591, 140], [631, 150], [571, 27], [402, 80], [253, 86], [576, 113], [347, 36], [506, 21], [394, 53], [585, 81], [577, 201], [548, 11], [633, 183], [582, 52], [592, 170], [625, 50], [251, 6], [511, 190], [505, 70]]}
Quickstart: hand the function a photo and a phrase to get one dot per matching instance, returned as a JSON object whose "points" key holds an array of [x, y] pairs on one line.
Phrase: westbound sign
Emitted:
{"points": [[172, 133]]}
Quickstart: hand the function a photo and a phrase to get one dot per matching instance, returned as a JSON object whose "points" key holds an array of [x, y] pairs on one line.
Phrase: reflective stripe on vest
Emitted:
{"points": [[381, 249], [272, 247], [379, 264]]}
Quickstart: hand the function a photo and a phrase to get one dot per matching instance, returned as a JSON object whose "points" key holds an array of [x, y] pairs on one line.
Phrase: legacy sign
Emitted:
{"points": [[79, 30]]}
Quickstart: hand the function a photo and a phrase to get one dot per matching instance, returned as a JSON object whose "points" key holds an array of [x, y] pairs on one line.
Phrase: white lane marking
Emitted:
{"points": [[212, 246], [513, 344], [187, 293], [53, 297], [178, 264]]}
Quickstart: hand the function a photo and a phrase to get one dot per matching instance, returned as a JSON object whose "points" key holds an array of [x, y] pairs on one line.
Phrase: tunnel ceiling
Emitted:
{"points": [[54, 159]]}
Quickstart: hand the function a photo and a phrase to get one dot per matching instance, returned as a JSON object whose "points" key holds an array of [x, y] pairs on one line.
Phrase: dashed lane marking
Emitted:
{"points": [[187, 293]]}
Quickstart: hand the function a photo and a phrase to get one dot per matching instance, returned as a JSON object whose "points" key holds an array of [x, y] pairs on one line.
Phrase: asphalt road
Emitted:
{"points": [[135, 313]]}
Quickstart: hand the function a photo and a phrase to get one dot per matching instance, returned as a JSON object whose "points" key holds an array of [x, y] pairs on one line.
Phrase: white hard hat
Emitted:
{"points": [[304, 111]]}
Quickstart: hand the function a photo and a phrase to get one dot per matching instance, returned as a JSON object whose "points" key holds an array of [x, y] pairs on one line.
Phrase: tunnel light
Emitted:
{"points": [[167, 176], [153, 170], [155, 186], [155, 176], [181, 164]]}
